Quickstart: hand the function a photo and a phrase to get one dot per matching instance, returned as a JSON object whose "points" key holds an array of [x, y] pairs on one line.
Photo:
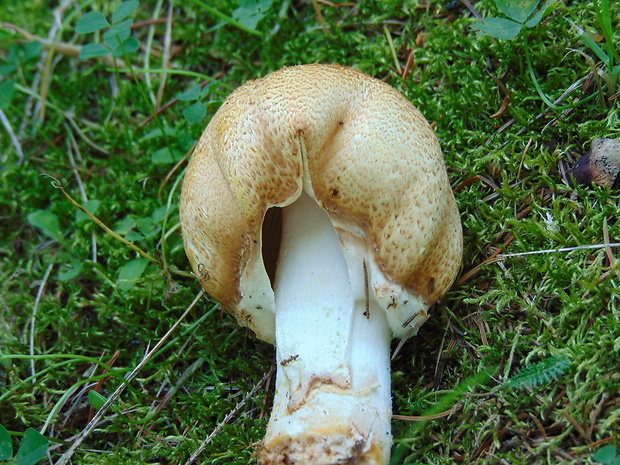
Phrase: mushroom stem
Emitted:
{"points": [[332, 401]]}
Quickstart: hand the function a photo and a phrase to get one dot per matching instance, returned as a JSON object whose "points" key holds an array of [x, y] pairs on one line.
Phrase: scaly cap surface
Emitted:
{"points": [[356, 146]]}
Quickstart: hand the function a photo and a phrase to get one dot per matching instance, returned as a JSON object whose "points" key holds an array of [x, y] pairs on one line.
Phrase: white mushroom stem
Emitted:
{"points": [[332, 401]]}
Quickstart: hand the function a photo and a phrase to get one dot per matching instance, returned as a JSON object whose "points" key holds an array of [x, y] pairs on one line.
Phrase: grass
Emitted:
{"points": [[74, 300]]}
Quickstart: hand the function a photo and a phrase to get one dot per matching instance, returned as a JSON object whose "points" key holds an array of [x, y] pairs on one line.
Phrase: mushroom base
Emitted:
{"points": [[328, 440], [330, 428], [332, 402], [321, 418]]}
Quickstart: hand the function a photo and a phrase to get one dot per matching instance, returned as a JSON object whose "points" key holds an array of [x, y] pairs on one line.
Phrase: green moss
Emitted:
{"points": [[507, 316]]}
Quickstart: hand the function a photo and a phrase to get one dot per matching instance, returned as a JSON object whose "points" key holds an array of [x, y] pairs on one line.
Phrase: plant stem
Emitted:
{"points": [[102, 225]]}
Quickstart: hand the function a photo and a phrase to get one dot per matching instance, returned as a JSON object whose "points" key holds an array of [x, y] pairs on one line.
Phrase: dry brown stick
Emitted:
{"points": [[102, 225], [493, 258], [59, 47], [321, 19], [527, 147], [598, 443], [577, 426], [608, 251], [99, 385]]}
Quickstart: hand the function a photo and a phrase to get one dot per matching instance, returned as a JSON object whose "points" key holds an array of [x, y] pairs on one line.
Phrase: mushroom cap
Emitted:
{"points": [[601, 165], [362, 151]]}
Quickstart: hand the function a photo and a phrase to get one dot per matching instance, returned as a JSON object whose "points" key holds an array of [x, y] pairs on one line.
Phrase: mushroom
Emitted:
{"points": [[316, 209], [600, 166]]}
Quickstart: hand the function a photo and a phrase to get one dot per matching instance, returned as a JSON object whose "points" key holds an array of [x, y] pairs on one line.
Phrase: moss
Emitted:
{"points": [[506, 171]]}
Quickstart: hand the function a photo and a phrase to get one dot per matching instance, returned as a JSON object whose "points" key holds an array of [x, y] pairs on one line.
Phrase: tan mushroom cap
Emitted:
{"points": [[601, 165], [361, 150]]}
